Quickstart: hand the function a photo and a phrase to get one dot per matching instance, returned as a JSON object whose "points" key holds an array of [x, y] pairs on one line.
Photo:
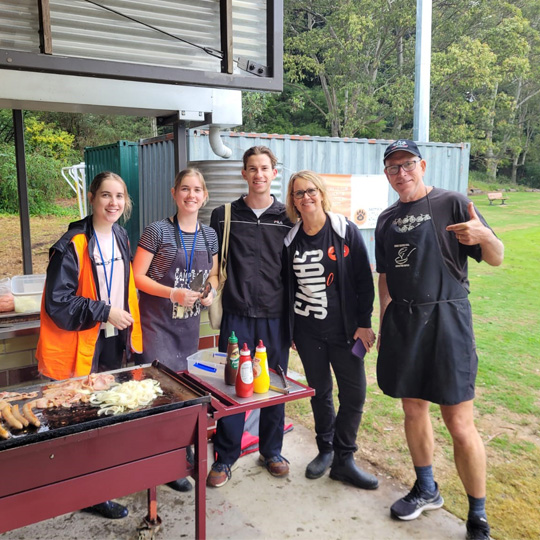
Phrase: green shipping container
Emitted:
{"points": [[121, 158]]}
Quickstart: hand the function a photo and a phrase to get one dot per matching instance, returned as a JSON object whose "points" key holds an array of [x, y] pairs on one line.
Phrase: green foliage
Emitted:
{"points": [[290, 112], [349, 67], [98, 129], [45, 183], [47, 140], [530, 175]]}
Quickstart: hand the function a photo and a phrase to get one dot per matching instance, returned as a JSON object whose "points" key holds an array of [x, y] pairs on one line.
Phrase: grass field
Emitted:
{"points": [[506, 307]]}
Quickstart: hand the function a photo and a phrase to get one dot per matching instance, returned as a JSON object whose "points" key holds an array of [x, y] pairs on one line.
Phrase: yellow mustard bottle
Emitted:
{"points": [[261, 375]]}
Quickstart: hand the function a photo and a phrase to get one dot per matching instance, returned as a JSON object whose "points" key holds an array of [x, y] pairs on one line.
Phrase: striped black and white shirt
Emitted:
{"points": [[159, 238]]}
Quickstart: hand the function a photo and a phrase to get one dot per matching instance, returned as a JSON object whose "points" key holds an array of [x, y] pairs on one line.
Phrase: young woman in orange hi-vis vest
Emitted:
{"points": [[89, 312]]}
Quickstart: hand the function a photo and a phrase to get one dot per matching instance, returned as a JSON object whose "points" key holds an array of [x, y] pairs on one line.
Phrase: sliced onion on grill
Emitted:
{"points": [[126, 396]]}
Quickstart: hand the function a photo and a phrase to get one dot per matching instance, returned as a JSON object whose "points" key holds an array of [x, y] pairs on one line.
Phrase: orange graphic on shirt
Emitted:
{"points": [[332, 252]]}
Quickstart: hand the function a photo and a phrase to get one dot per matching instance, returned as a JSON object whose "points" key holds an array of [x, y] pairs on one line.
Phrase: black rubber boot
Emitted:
{"points": [[344, 469], [317, 467], [183, 484], [109, 510]]}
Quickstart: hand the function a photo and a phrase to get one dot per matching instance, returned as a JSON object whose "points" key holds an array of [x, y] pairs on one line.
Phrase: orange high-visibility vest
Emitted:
{"points": [[63, 354]]}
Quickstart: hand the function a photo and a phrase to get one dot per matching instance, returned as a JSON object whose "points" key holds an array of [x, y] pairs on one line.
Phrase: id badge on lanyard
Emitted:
{"points": [[110, 329]]}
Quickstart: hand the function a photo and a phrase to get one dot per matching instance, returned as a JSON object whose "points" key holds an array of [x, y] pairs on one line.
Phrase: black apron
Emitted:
{"points": [[170, 331], [427, 346]]}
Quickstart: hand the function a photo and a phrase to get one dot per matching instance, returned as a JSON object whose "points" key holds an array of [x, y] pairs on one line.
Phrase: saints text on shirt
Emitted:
{"points": [[310, 297]]}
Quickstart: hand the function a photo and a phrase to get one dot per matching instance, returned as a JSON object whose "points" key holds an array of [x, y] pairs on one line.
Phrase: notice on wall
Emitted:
{"points": [[360, 197]]}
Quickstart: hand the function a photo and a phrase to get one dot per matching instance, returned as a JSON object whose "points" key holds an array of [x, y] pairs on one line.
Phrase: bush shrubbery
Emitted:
{"points": [[45, 182], [48, 149]]}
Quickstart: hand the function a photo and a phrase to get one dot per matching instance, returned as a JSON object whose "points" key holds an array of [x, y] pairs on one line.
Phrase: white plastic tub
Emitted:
{"points": [[27, 292], [206, 360]]}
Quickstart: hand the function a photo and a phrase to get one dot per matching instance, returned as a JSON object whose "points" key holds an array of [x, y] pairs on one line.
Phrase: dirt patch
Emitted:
{"points": [[44, 232]]}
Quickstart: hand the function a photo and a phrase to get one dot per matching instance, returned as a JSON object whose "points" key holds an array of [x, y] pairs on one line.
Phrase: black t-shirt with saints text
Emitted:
{"points": [[316, 297]]}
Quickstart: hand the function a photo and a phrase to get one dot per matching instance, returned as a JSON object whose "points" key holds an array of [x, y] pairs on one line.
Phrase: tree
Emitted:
{"points": [[351, 49]]}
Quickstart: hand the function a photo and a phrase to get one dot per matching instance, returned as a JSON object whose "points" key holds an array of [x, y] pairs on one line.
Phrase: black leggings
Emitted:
{"points": [[333, 431]]}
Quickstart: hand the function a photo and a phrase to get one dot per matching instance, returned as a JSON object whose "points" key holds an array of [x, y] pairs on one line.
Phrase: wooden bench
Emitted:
{"points": [[496, 196]]}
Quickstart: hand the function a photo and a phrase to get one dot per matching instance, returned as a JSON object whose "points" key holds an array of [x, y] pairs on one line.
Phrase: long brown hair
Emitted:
{"points": [[108, 175]]}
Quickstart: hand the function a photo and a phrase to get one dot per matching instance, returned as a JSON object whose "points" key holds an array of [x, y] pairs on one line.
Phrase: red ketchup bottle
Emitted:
{"points": [[244, 376]]}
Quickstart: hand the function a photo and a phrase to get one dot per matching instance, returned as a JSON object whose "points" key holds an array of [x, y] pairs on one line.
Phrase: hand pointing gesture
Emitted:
{"points": [[470, 232]]}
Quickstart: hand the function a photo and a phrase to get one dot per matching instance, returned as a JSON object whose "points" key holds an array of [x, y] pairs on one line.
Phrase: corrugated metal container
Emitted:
{"points": [[447, 164], [225, 183], [121, 158], [447, 167], [156, 166]]}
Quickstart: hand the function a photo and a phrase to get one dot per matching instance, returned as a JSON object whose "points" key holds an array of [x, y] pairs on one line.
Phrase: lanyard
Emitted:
{"points": [[108, 283], [185, 250]]}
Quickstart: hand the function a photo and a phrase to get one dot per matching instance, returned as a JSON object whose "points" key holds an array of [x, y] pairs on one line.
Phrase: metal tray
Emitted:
{"points": [[60, 421]]}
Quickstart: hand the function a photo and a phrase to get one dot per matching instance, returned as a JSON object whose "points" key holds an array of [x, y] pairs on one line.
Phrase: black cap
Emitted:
{"points": [[402, 145]]}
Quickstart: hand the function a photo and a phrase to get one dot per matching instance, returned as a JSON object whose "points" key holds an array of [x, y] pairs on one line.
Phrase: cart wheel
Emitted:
{"points": [[147, 530]]}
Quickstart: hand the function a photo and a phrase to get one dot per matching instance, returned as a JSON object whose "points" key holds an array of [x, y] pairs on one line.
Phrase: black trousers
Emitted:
{"points": [[228, 436], [318, 355]]}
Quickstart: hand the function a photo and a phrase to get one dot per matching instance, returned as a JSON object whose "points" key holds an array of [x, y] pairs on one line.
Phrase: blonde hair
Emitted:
{"points": [[317, 181], [191, 171], [108, 175]]}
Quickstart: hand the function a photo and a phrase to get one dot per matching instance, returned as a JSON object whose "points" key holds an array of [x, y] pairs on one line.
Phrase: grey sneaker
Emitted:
{"points": [[413, 504]]}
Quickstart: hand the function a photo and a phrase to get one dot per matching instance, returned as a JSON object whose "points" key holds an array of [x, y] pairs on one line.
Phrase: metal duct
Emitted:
{"points": [[216, 143]]}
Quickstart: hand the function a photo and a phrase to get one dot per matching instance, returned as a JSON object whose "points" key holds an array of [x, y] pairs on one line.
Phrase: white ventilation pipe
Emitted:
{"points": [[217, 144]]}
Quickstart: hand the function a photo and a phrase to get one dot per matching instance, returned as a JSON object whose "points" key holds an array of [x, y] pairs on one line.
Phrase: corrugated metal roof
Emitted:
{"points": [[82, 29], [19, 25]]}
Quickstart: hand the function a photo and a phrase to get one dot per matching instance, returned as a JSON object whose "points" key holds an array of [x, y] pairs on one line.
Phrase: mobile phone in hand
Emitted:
{"points": [[206, 290], [359, 349]]}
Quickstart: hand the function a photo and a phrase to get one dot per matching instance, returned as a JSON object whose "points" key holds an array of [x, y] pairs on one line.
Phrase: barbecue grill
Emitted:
{"points": [[77, 459]]}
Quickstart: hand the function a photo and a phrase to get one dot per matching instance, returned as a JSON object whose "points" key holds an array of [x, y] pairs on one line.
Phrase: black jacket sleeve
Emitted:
{"points": [[66, 309], [362, 275]]}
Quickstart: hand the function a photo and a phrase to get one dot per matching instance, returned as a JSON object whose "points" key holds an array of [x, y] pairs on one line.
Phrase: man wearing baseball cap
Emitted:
{"points": [[426, 345]]}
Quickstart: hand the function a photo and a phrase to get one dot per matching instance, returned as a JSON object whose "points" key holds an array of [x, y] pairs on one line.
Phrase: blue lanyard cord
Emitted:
{"points": [[108, 283], [185, 250]]}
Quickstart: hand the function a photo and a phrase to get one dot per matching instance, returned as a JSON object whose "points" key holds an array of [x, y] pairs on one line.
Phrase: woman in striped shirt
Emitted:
{"points": [[175, 259]]}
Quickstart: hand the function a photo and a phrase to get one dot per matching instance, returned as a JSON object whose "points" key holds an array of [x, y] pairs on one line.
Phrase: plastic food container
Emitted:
{"points": [[27, 292], [206, 360]]}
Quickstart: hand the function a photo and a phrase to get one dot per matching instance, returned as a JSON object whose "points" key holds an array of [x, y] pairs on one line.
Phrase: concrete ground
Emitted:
{"points": [[254, 505]]}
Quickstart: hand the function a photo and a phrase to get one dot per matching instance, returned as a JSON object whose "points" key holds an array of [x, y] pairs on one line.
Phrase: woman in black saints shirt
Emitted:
{"points": [[330, 294]]}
